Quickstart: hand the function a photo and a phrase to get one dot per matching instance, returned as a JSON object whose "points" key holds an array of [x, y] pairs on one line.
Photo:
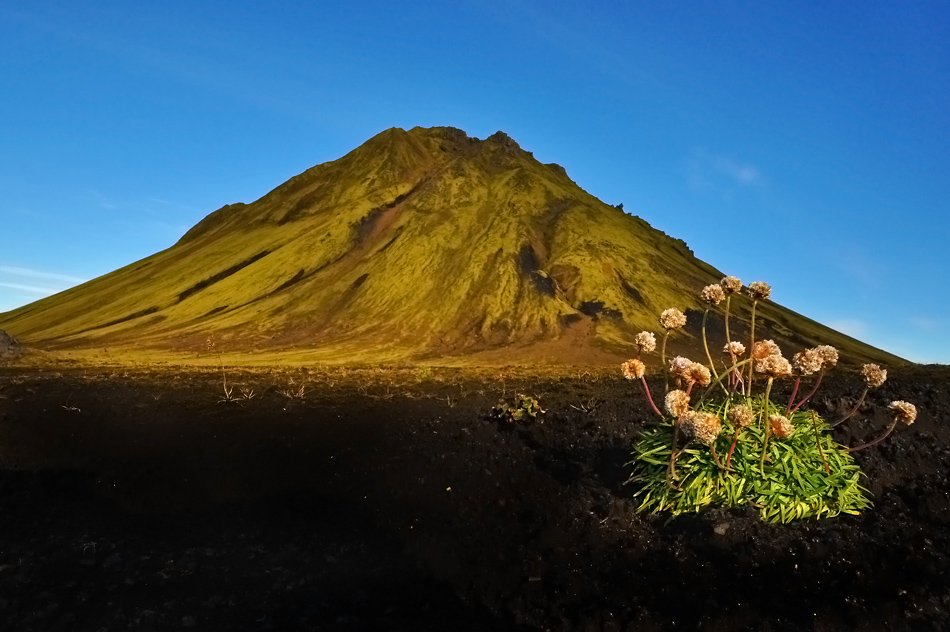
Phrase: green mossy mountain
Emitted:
{"points": [[417, 246]]}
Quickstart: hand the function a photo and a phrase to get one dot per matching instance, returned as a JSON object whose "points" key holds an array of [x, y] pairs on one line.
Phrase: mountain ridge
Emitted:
{"points": [[418, 244]]}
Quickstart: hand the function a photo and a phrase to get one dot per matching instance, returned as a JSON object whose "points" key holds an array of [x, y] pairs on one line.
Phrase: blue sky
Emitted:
{"points": [[806, 144]]}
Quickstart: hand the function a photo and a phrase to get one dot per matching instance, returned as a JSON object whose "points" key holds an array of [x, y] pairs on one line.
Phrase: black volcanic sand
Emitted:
{"points": [[390, 500]]}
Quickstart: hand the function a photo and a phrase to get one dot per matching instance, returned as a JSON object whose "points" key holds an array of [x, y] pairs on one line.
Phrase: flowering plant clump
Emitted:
{"points": [[719, 442]]}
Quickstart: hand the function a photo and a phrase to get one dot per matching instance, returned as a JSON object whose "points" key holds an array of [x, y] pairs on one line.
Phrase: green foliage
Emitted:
{"points": [[795, 483], [522, 408]]}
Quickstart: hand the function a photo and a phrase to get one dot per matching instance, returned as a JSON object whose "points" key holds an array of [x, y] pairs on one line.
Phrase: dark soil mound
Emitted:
{"points": [[393, 501]]}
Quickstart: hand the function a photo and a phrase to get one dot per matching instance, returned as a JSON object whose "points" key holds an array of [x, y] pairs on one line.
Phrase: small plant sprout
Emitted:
{"points": [[778, 457], [635, 370], [522, 409], [899, 411], [228, 391], [874, 376]]}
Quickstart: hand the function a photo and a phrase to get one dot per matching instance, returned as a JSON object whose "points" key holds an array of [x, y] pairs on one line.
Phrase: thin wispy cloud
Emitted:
{"points": [[38, 274], [850, 326], [718, 173], [32, 289], [924, 323], [741, 173]]}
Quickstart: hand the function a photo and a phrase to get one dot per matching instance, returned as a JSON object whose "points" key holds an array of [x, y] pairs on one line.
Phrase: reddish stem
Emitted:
{"points": [[712, 448], [791, 400], [853, 410], [876, 441], [814, 421], [646, 389], [671, 471], [812, 392], [735, 439]]}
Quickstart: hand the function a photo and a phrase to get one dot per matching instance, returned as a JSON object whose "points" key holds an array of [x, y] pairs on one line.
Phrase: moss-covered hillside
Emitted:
{"points": [[423, 246]]}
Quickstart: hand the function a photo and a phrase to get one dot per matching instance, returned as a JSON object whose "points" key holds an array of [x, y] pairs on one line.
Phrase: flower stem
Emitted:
{"points": [[646, 389], [853, 410], [788, 409], [821, 374], [768, 426], [708, 356], [752, 343], [671, 470], [728, 339], [814, 421], [890, 429], [719, 381], [663, 360], [735, 439], [712, 448]]}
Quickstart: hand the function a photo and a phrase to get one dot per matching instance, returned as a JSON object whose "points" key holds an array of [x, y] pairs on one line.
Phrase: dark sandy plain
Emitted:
{"points": [[390, 499]]}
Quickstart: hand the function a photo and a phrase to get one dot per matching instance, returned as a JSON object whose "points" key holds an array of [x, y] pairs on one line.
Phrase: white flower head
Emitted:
{"points": [[672, 318], [807, 362], [781, 426], [645, 341], [734, 348], [759, 290], [874, 375], [633, 369], [903, 412], [703, 427], [730, 284], [677, 403], [712, 294]]}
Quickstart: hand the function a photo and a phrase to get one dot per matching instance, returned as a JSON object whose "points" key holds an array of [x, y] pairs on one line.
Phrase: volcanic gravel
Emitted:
{"points": [[393, 500]]}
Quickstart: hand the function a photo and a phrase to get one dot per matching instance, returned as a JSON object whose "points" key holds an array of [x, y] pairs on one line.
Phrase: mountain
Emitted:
{"points": [[417, 246]]}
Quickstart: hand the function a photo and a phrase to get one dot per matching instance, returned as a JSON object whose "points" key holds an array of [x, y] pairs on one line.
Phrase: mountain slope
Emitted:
{"points": [[417, 245]]}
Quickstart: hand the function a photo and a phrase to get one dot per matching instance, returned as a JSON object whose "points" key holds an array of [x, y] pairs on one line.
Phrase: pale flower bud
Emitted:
{"points": [[759, 290], [677, 403], [672, 318], [645, 341], [903, 412], [730, 284], [703, 427], [829, 355], [734, 348], [874, 375], [741, 415], [633, 369], [781, 426], [774, 366], [712, 294], [807, 361], [699, 374], [679, 367], [765, 348]]}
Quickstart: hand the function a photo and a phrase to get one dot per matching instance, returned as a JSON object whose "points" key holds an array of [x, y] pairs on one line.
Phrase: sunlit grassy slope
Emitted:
{"points": [[417, 246]]}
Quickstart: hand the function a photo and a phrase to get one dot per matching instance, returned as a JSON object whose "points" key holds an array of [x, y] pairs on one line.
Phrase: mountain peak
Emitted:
{"points": [[413, 246]]}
